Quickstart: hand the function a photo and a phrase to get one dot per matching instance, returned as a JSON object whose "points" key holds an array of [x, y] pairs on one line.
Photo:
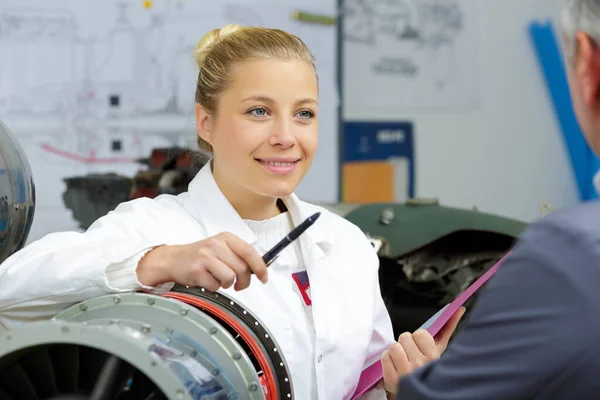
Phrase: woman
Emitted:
{"points": [[257, 112]]}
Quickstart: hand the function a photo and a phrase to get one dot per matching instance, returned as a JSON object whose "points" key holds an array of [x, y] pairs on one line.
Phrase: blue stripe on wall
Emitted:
{"points": [[584, 162]]}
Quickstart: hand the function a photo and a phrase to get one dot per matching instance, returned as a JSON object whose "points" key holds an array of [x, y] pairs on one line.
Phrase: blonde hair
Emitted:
{"points": [[221, 48]]}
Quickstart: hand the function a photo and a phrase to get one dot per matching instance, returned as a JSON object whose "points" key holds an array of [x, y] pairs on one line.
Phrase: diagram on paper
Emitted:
{"points": [[410, 53], [90, 87]]}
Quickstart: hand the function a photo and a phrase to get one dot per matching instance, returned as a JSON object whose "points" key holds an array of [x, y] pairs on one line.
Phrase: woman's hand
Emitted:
{"points": [[213, 263], [412, 351]]}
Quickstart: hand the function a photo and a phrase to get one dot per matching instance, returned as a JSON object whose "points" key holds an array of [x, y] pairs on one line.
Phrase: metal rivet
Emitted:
{"points": [[289, 395], [267, 335], [275, 349], [151, 301], [117, 299], [245, 312], [256, 323], [281, 364], [387, 216], [202, 290], [180, 393], [145, 328], [287, 380], [231, 302], [216, 294], [83, 307], [212, 330], [253, 387], [237, 356], [184, 311]]}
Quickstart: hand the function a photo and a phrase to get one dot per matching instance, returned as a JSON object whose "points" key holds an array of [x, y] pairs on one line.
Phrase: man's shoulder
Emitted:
{"points": [[566, 242], [579, 223]]}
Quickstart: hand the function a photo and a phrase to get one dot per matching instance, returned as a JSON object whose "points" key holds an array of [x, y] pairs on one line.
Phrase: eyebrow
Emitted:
{"points": [[266, 99]]}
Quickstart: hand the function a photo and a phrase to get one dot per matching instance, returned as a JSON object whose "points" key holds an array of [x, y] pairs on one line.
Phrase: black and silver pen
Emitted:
{"points": [[272, 254]]}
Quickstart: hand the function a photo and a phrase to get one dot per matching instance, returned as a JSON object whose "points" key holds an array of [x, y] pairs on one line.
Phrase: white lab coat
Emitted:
{"points": [[352, 325]]}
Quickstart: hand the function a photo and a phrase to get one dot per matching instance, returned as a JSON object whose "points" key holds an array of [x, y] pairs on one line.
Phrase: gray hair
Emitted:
{"points": [[579, 16]]}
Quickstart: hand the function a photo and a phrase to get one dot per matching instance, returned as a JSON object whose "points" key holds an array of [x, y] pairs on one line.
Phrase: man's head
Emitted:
{"points": [[581, 35]]}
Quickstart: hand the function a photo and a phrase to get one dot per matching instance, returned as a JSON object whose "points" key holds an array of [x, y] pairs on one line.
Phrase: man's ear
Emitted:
{"points": [[204, 122], [587, 68]]}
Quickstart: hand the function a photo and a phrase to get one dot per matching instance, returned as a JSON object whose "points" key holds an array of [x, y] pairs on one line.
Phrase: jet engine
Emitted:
{"points": [[189, 344]]}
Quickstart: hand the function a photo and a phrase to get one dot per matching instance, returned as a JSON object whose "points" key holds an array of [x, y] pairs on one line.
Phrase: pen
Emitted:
{"points": [[272, 254]]}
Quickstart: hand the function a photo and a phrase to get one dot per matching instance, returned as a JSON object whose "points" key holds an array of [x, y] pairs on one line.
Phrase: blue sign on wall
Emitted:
{"points": [[380, 141]]}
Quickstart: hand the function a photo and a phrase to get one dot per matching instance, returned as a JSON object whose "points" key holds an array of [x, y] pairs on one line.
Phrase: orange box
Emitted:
{"points": [[368, 182]]}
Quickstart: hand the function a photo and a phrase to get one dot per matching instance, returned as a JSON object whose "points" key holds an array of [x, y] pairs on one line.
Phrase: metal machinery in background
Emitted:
{"points": [[169, 171], [17, 195], [430, 253]]}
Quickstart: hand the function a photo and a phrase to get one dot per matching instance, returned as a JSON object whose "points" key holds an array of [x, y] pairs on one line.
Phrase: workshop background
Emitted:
{"points": [[458, 100]]}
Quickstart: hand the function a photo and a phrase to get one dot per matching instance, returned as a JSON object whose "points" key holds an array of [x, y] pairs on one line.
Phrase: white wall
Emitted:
{"points": [[507, 156]]}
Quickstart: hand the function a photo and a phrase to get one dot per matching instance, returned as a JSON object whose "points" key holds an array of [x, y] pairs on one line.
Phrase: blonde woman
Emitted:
{"points": [[257, 112]]}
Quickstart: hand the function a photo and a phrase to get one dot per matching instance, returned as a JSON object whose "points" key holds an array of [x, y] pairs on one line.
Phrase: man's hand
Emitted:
{"points": [[412, 351]]}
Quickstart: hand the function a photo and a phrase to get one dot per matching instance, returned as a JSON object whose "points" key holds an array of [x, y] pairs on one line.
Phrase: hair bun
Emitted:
{"points": [[212, 38]]}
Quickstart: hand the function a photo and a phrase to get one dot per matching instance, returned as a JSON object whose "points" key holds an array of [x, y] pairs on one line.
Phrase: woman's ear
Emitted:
{"points": [[203, 124]]}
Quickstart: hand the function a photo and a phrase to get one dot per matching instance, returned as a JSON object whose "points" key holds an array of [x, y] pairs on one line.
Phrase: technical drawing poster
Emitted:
{"points": [[409, 54], [91, 86]]}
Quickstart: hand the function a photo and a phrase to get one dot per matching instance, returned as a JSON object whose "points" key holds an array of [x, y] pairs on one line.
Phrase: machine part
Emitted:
{"points": [[211, 328], [387, 216], [94, 195], [188, 344], [17, 195], [260, 345], [195, 333], [419, 223], [189, 331], [59, 360], [431, 254]]}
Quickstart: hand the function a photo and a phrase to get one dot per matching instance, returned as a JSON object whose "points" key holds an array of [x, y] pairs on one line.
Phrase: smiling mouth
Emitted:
{"points": [[277, 163]]}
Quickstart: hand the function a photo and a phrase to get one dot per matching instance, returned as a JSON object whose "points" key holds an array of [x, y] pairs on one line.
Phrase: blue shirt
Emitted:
{"points": [[534, 332]]}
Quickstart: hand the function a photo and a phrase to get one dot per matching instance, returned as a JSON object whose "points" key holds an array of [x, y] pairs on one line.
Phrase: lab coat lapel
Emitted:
{"points": [[316, 246]]}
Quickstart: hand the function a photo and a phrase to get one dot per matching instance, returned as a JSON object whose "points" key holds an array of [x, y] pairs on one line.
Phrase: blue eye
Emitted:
{"points": [[258, 112], [306, 114]]}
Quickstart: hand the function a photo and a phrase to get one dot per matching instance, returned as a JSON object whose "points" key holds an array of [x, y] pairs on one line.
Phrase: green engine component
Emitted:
{"points": [[417, 223], [431, 253]]}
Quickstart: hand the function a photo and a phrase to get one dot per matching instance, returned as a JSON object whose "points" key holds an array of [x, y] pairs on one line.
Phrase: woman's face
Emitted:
{"points": [[265, 132]]}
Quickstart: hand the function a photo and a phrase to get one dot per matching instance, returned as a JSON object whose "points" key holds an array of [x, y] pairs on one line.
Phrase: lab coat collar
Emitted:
{"points": [[218, 215]]}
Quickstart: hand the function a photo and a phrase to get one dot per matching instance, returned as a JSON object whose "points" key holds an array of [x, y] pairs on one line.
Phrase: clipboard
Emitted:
{"points": [[374, 373], [434, 324]]}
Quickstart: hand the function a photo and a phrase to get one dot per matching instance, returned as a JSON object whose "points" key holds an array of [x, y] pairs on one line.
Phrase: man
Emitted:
{"points": [[535, 332]]}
